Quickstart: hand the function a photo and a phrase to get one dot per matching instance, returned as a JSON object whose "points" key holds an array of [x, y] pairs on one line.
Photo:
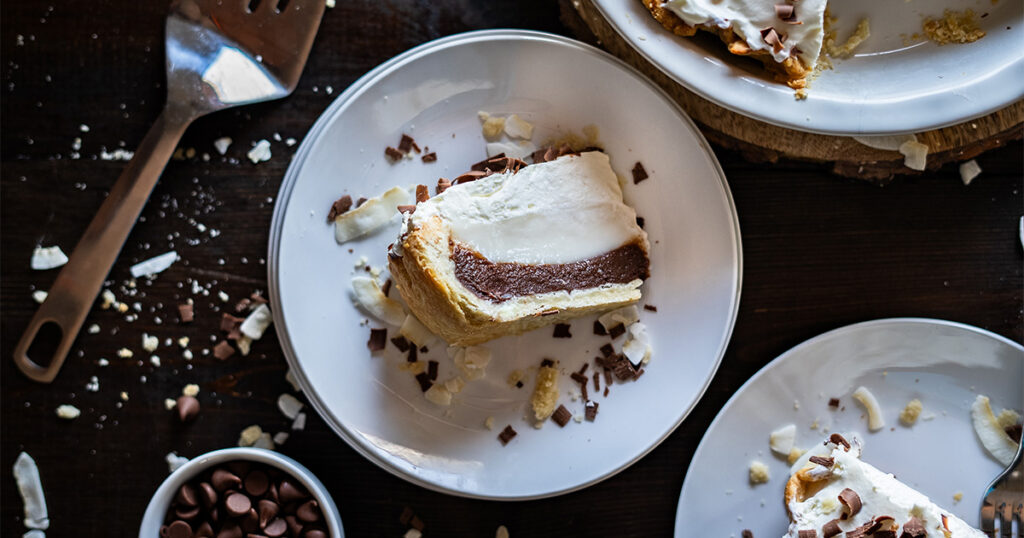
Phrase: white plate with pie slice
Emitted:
{"points": [[433, 93], [943, 364], [896, 82]]}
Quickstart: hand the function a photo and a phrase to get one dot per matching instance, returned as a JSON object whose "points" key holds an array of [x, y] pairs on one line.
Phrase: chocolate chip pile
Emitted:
{"points": [[243, 498]]}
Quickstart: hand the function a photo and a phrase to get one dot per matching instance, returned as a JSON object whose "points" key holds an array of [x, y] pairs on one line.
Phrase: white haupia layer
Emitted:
{"points": [[748, 18], [562, 211], [880, 493]]}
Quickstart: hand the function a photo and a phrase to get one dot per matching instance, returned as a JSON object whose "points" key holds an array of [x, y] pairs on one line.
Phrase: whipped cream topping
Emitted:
{"points": [[748, 18], [880, 494], [561, 211]]}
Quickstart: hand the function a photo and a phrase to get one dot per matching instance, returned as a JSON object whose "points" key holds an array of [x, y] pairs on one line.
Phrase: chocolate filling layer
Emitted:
{"points": [[501, 281]]}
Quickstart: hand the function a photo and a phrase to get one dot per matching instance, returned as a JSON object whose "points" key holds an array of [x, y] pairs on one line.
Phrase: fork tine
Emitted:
{"points": [[1018, 516], [1004, 511], [988, 513]]}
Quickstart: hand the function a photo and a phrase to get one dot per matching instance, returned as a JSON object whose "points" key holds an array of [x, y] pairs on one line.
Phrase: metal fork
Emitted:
{"points": [[220, 54], [1004, 501]]}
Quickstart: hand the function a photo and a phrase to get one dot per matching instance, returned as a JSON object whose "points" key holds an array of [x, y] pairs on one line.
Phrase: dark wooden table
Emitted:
{"points": [[820, 252]]}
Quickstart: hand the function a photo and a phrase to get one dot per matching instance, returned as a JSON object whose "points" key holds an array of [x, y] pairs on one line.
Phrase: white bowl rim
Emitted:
{"points": [[155, 511]]}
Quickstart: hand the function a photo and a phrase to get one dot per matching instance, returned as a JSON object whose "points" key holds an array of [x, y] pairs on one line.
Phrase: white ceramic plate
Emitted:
{"points": [[433, 92], [944, 364], [888, 87]]}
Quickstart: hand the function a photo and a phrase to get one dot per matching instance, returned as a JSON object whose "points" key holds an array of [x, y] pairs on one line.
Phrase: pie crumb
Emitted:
{"points": [[758, 472]]}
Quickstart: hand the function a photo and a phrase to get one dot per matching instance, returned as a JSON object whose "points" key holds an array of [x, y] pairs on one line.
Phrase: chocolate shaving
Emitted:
{"points": [[506, 435], [393, 153], [639, 174], [186, 313], [422, 194], [401, 343], [617, 331], [229, 322], [606, 391], [807, 534], [1014, 431], [424, 380], [482, 165], [599, 329], [650, 308], [561, 416], [583, 390], [859, 532], [851, 501], [223, 350], [785, 11], [583, 369], [415, 523], [640, 222], [361, 201], [519, 384], [914, 529], [386, 288], [607, 379], [879, 522], [429, 158], [624, 370], [745, 533], [831, 529], [412, 354], [443, 185], [607, 350], [579, 378], [378, 339], [407, 209], [826, 462], [546, 362], [837, 439], [884, 534], [597, 381], [590, 411], [406, 143], [945, 522], [432, 370], [833, 402], [407, 515], [341, 205], [562, 330], [549, 312], [773, 38], [470, 176]]}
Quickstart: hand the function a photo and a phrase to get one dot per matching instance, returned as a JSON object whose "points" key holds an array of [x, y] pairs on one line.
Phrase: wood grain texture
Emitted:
{"points": [[819, 252], [763, 142]]}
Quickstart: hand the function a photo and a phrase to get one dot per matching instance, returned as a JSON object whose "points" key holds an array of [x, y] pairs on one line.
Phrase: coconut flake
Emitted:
{"points": [[373, 214], [516, 127], [174, 461], [264, 441], [68, 412], [281, 437], [993, 437], [260, 152], [300, 422], [626, 315], [516, 150], [637, 347], [249, 435], [222, 144], [864, 396], [368, 294], [154, 265], [257, 322], [886, 143], [472, 361], [26, 474], [44, 258], [289, 405], [40, 296], [439, 395], [783, 440], [969, 170], [290, 378], [915, 153]]}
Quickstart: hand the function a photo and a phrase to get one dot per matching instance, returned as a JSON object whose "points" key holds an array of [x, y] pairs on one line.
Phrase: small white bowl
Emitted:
{"points": [[153, 519]]}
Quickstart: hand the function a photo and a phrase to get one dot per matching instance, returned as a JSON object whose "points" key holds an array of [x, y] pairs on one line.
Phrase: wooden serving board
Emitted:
{"points": [[762, 142]]}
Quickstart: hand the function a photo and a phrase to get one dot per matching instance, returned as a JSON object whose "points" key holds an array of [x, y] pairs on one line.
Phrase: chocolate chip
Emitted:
{"points": [[223, 479], [340, 206], [187, 495], [424, 380], [831, 529], [188, 409], [205, 530], [268, 510], [315, 533], [837, 439], [393, 153], [237, 504], [833, 402], [430, 157], [562, 330], [639, 174], [422, 195], [401, 343], [256, 483], [184, 512], [179, 529], [561, 416], [851, 501], [288, 492], [223, 350], [650, 308], [294, 527], [378, 339], [826, 462], [186, 313], [250, 522], [308, 511], [207, 495], [590, 410], [599, 329], [506, 435], [617, 331], [276, 527], [432, 370]]}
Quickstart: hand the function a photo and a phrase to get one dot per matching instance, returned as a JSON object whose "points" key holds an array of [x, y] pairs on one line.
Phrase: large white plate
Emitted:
{"points": [[434, 92], [889, 86], [942, 363]]}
